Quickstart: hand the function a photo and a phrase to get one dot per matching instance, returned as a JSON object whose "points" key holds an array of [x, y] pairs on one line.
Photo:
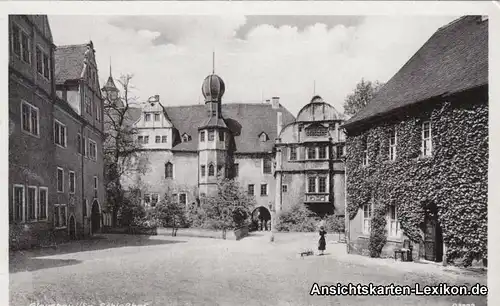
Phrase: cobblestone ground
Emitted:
{"points": [[164, 270]]}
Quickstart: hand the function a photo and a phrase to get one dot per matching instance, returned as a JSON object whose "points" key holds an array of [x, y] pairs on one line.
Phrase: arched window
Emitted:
{"points": [[169, 173], [211, 169]]}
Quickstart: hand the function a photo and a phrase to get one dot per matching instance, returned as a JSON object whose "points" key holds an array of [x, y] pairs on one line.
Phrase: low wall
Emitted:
{"points": [[360, 246], [138, 230], [237, 234]]}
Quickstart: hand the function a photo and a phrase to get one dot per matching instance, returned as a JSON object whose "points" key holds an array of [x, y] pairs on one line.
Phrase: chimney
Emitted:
{"points": [[275, 102], [279, 123]]}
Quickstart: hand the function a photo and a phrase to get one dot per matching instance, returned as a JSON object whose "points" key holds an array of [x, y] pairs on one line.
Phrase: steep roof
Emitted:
{"points": [[245, 120], [69, 62], [454, 59]]}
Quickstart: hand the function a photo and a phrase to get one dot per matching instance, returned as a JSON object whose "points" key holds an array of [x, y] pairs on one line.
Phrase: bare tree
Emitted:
{"points": [[121, 151]]}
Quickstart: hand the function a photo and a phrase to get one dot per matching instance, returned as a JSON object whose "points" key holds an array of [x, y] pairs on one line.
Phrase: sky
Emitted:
{"points": [[258, 57]]}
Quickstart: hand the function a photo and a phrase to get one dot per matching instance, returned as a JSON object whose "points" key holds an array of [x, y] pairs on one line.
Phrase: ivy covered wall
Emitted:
{"points": [[454, 178]]}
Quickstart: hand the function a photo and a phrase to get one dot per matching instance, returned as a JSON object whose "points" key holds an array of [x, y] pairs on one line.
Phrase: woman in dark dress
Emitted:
{"points": [[322, 241]]}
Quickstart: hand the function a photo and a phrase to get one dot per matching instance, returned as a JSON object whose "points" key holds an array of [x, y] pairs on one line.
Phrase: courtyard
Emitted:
{"points": [[164, 270]]}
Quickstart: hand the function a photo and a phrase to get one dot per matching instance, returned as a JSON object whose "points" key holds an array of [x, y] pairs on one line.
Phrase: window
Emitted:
{"points": [[29, 118], [263, 137], [59, 215], [154, 199], [426, 139], [39, 60], [322, 184], [182, 198], [43, 199], [72, 182], [140, 139], [393, 221], [186, 138], [25, 48], [293, 153], [203, 170], [392, 144], [95, 182], [221, 136], [311, 153], [211, 134], [98, 112], [59, 133], [175, 198], [84, 147], [19, 203], [266, 165], [163, 139], [16, 39], [340, 151], [157, 139], [284, 188], [202, 136], [251, 189], [263, 189], [146, 139], [316, 131], [84, 207], [60, 180], [211, 170], [322, 152], [79, 143], [31, 205], [219, 170], [157, 117], [236, 170], [169, 170], [311, 187], [367, 218], [42, 63], [364, 154], [92, 150], [147, 117], [88, 104], [46, 66], [147, 199]]}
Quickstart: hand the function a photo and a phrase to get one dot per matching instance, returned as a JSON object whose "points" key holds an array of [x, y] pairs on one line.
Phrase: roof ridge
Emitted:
{"points": [[69, 46], [452, 23]]}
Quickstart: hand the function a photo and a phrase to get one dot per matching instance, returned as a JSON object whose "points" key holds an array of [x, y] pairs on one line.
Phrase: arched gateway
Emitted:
{"points": [[261, 219], [95, 217]]}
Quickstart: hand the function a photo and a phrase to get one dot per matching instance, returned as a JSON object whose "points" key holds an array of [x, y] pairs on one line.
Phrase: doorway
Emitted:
{"points": [[95, 218], [433, 236], [261, 219], [72, 228]]}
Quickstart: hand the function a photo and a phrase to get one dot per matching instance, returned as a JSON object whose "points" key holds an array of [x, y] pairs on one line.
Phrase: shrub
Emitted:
{"points": [[297, 219], [378, 235], [335, 224], [130, 210]]}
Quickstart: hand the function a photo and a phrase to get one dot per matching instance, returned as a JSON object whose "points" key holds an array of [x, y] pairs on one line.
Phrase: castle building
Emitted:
{"points": [[187, 146], [418, 152], [55, 136]]}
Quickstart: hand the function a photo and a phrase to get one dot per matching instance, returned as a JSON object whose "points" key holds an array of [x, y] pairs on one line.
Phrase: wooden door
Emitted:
{"points": [[430, 238]]}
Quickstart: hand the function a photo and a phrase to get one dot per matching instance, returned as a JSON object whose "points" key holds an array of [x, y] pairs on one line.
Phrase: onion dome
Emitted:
{"points": [[318, 110], [213, 88]]}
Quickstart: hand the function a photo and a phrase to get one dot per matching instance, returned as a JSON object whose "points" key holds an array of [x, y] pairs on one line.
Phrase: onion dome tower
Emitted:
{"points": [[213, 137]]}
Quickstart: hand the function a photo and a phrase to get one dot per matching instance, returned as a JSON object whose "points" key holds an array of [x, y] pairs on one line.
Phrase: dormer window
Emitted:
{"points": [[263, 137], [186, 137], [147, 117]]}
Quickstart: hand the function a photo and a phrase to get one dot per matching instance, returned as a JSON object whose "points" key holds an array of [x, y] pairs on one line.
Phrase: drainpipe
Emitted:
{"points": [[346, 215]]}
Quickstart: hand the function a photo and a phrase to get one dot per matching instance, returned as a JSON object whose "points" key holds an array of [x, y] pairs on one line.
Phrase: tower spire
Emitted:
{"points": [[314, 88], [213, 62], [110, 74]]}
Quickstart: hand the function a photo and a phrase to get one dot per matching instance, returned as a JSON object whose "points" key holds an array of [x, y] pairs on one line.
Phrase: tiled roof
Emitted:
{"points": [[245, 120], [69, 62], [454, 59]]}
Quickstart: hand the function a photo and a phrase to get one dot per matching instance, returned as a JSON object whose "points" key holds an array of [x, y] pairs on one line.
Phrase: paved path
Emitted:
{"points": [[164, 270]]}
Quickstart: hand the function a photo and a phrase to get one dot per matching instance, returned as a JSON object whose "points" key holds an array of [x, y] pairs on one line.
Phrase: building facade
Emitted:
{"points": [[187, 146], [45, 171], [417, 154]]}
